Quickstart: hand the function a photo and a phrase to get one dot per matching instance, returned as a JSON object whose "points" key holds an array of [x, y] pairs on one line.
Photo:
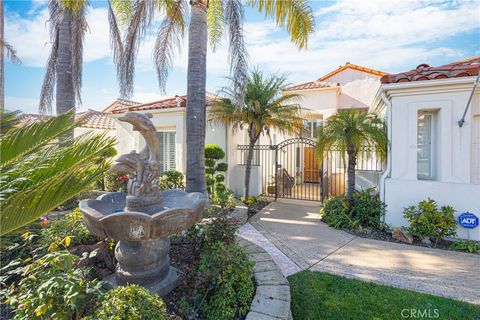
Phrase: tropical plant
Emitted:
{"points": [[39, 172], [470, 246], [63, 74], [349, 131], [264, 109], [7, 48], [209, 19], [428, 220]]}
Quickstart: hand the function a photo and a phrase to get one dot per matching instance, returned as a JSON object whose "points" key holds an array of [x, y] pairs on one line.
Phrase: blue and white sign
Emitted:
{"points": [[468, 220]]}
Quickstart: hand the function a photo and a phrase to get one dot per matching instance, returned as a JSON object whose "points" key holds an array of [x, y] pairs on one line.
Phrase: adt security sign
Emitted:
{"points": [[468, 220]]}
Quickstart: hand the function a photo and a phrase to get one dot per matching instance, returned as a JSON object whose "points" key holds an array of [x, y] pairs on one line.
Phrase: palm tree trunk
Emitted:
{"points": [[2, 53], [352, 162], [196, 83], [65, 92], [248, 167]]}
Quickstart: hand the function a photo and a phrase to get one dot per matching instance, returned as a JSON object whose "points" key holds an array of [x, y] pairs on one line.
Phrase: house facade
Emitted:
{"points": [[431, 154]]}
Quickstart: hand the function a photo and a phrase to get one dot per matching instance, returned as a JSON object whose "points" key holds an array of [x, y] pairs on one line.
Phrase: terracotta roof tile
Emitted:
{"points": [[312, 85], [95, 120], [174, 102], [119, 103], [465, 68]]}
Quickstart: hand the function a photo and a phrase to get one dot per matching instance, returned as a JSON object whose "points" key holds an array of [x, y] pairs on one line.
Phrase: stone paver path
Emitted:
{"points": [[291, 231]]}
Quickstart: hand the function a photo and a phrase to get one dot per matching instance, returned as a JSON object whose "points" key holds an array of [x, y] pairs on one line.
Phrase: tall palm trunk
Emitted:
{"points": [[65, 92], [2, 53], [248, 166], [352, 162], [196, 83]]}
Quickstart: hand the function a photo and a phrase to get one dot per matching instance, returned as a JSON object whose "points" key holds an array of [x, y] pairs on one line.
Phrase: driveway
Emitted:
{"points": [[291, 231]]}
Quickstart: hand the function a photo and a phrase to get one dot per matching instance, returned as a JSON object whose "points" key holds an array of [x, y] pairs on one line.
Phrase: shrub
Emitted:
{"points": [[52, 289], [72, 226], [225, 199], [115, 182], [171, 179], [225, 282], [214, 169], [427, 220], [466, 245], [218, 229], [368, 210], [130, 302], [336, 213]]}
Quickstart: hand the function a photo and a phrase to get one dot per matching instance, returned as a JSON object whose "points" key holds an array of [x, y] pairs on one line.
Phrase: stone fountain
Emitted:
{"points": [[143, 219]]}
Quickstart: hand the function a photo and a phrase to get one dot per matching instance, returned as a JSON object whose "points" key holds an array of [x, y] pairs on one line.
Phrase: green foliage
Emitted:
{"points": [[367, 211], [427, 220], [171, 179], [224, 198], [130, 302], [72, 226], [317, 295], [214, 179], [226, 285], [39, 171], [218, 229], [51, 288], [466, 245]]}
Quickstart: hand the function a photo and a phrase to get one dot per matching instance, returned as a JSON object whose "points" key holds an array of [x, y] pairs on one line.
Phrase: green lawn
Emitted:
{"points": [[317, 295]]}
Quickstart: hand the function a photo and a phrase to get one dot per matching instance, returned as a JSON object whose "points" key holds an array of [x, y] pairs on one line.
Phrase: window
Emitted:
{"points": [[426, 145], [167, 150], [310, 128]]}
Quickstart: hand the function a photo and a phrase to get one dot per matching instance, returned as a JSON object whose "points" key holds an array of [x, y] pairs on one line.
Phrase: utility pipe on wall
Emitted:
{"points": [[388, 169]]}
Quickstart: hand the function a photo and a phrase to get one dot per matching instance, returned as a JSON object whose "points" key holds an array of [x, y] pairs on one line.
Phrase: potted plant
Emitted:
{"points": [[271, 185]]}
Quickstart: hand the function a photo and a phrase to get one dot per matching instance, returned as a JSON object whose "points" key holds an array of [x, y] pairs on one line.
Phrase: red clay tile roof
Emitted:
{"points": [[175, 102], [311, 85], [322, 83], [95, 120], [119, 103], [465, 68], [91, 119]]}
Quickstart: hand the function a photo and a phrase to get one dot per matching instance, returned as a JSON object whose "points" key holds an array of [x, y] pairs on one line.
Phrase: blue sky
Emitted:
{"points": [[387, 35]]}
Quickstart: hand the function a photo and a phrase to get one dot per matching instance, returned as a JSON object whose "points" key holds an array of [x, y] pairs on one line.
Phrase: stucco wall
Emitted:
{"points": [[78, 131], [454, 158]]}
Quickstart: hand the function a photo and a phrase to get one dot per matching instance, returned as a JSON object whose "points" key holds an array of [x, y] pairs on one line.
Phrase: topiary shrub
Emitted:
{"points": [[213, 170], [427, 220], [130, 302], [71, 225], [171, 179], [226, 287]]}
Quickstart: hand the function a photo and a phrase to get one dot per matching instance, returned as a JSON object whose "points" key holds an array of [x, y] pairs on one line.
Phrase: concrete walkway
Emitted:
{"points": [[291, 231]]}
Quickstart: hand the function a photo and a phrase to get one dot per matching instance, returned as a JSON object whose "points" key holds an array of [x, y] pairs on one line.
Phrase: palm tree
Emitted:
{"points": [[264, 109], [350, 131], [209, 20], [38, 172], [5, 47], [63, 76]]}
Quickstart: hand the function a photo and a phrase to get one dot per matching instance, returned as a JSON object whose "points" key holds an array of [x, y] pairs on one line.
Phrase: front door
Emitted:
{"points": [[310, 165]]}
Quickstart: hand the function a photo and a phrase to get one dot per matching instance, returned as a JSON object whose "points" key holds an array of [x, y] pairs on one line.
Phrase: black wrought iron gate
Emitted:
{"points": [[292, 169]]}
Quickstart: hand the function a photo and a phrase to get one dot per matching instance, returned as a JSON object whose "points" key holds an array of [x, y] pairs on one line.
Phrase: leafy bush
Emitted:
{"points": [[51, 288], [427, 220], [218, 229], [171, 179], [225, 287], [367, 211], [115, 182], [225, 199], [336, 213], [72, 226], [214, 178], [466, 245], [130, 302]]}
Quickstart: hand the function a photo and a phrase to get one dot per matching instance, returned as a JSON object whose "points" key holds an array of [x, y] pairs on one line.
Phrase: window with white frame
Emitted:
{"points": [[310, 128], [426, 145], [167, 150]]}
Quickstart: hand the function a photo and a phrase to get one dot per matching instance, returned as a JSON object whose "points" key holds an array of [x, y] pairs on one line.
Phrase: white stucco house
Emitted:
{"points": [[431, 155], [348, 86]]}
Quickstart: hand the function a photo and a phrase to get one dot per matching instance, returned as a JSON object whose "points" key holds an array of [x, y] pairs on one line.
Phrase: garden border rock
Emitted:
{"points": [[272, 296]]}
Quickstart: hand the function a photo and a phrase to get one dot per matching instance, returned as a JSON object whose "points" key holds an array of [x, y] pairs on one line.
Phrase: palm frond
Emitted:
{"points": [[20, 141], [237, 49], [115, 38], [215, 22], [10, 52], [296, 15], [8, 120], [78, 28], [169, 38]]}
